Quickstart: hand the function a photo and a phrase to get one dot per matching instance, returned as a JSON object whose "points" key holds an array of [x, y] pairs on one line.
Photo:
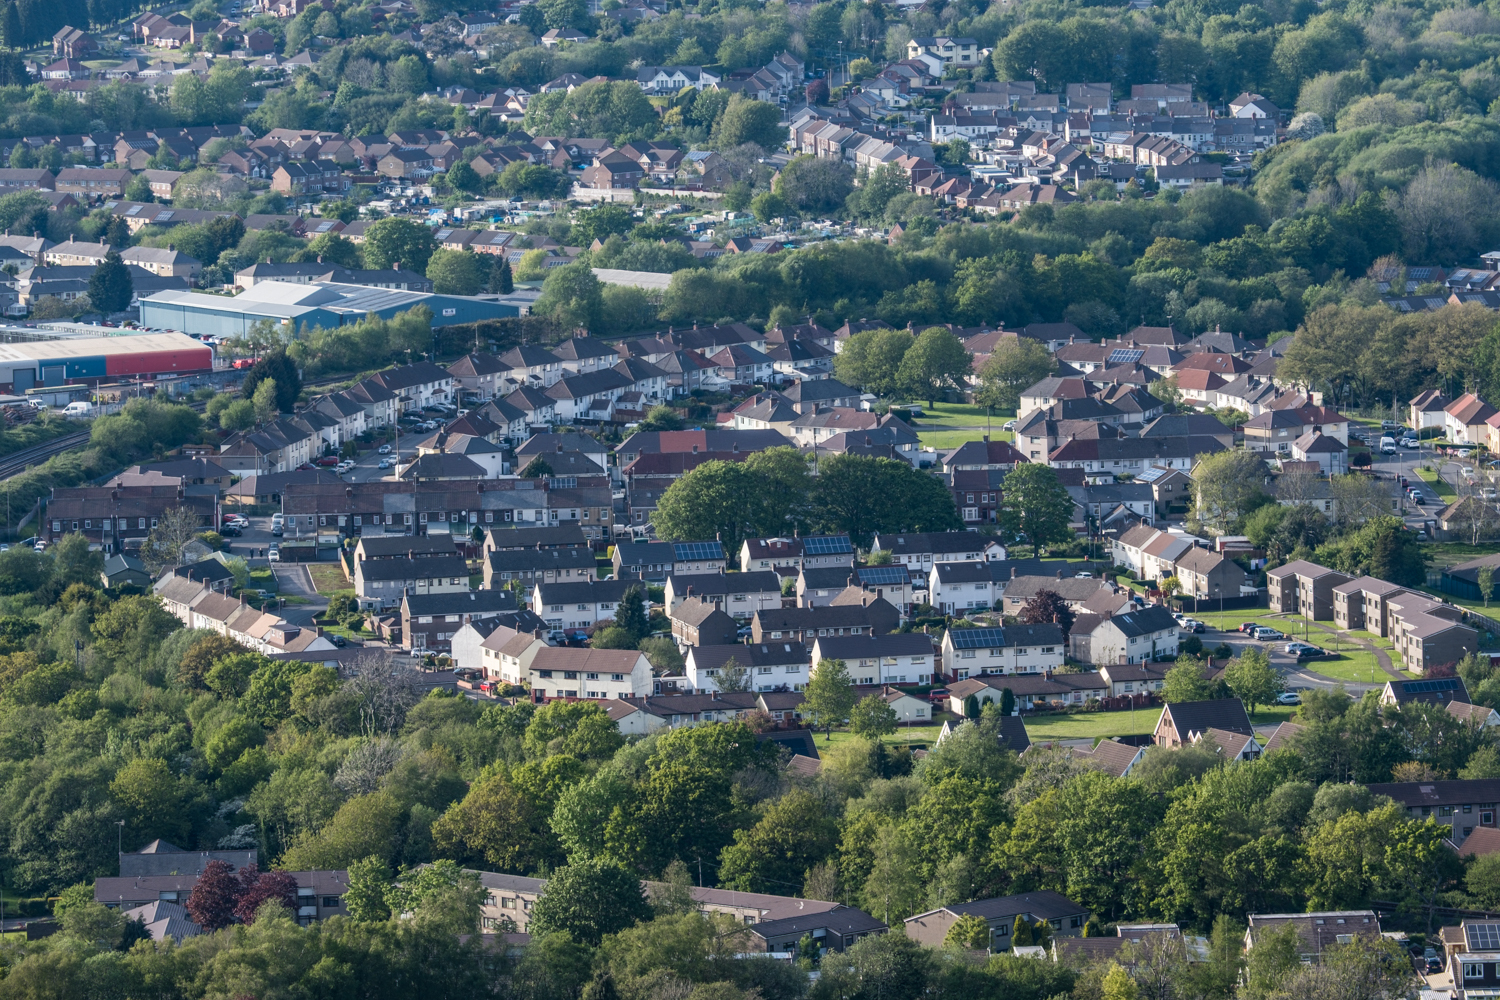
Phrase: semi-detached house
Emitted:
{"points": [[581, 606], [1014, 649], [919, 550], [892, 658]]}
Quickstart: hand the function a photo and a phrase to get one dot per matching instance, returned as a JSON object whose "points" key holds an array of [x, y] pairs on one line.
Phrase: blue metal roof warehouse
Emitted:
{"points": [[323, 303]]}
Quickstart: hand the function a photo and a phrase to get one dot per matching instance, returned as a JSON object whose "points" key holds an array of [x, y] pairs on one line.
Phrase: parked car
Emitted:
{"points": [[231, 530], [273, 554], [1248, 626], [328, 460], [1295, 647], [340, 641], [1309, 653], [1467, 471], [937, 695], [1288, 698], [384, 449], [385, 463], [1263, 634]]}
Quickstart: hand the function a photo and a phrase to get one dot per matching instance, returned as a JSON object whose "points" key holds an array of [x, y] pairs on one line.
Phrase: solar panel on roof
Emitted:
{"points": [[1150, 475], [1483, 937], [883, 575], [699, 550], [826, 545], [1416, 687], [975, 638], [1125, 356]]}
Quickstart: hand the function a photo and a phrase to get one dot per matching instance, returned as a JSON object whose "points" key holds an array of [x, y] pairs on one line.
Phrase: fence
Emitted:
{"points": [[1223, 604]]}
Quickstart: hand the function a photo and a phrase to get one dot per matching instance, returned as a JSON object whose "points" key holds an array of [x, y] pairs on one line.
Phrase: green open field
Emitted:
{"points": [[1099, 725], [962, 415], [1357, 666], [946, 440]]}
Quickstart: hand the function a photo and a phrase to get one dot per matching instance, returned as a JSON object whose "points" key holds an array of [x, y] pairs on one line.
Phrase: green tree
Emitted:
{"points": [[275, 364], [746, 120], [1037, 506], [769, 205], [1185, 682], [870, 360], [872, 717], [795, 834], [455, 272], [110, 286], [1486, 580], [398, 242], [369, 885], [829, 696], [572, 296], [968, 931], [1226, 486], [1017, 363], [762, 496], [935, 363], [867, 496], [893, 890], [588, 900], [462, 177], [537, 468], [264, 400], [1252, 678], [501, 281]]}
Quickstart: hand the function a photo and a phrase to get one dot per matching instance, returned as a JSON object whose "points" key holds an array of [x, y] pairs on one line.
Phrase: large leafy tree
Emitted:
{"points": [[864, 496], [1226, 486], [830, 695], [764, 495], [277, 366], [871, 359], [110, 286], [1015, 364], [590, 899], [936, 363], [796, 834], [1037, 506], [390, 242]]}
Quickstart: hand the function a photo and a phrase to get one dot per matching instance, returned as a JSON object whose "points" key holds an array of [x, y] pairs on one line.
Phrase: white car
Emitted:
{"points": [[1467, 470], [1295, 647], [273, 554], [385, 449], [1288, 698], [1264, 634]]}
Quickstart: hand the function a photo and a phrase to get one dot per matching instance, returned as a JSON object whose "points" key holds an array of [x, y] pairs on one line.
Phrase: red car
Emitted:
{"points": [[327, 460], [937, 695]]}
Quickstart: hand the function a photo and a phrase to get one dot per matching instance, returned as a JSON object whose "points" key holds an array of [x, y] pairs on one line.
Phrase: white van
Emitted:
{"points": [[1388, 445], [78, 408]]}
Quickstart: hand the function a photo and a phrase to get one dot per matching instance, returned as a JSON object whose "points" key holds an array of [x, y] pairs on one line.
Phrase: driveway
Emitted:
{"points": [[293, 580]]}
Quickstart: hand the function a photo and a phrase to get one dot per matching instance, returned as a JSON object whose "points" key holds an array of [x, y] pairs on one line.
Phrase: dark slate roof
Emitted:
{"points": [[1227, 714], [1013, 734], [774, 653], [475, 602], [798, 741]]}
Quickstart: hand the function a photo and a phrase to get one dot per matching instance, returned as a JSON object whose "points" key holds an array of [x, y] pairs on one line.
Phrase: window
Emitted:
{"points": [[1473, 970], [330, 901]]}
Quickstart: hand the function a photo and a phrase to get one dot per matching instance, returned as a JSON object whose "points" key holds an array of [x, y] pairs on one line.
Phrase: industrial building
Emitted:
{"points": [[324, 304], [32, 364]]}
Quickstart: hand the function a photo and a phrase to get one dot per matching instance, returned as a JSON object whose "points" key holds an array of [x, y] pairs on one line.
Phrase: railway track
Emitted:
{"points": [[18, 462]]}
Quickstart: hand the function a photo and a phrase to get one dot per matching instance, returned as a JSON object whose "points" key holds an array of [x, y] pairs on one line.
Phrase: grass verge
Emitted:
{"points": [[1440, 486], [1353, 666]]}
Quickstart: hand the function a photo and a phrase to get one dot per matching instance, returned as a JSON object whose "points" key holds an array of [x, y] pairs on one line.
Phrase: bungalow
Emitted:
{"points": [[1065, 917]]}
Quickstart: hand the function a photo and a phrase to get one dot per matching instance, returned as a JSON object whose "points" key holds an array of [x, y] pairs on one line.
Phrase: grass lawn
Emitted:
{"points": [[1439, 485], [915, 734], [944, 440], [1371, 637], [1356, 666], [961, 415], [1094, 725], [1446, 554], [328, 578]]}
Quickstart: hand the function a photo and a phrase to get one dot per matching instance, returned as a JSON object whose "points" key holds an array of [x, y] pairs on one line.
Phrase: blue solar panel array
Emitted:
{"points": [[826, 545], [1442, 684], [977, 638], [1125, 356], [687, 551], [885, 575]]}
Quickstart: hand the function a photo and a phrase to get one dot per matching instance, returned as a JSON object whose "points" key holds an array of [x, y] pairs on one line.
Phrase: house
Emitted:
{"points": [[1205, 575], [773, 666], [1464, 419], [1184, 722], [506, 653], [1019, 590], [889, 658], [1065, 916], [696, 622], [798, 552], [1143, 636], [382, 583], [647, 714], [122, 570], [961, 586], [1476, 716], [320, 894], [919, 550], [1304, 588], [1318, 931], [871, 616], [580, 606], [1112, 757], [1432, 691], [429, 621], [599, 674], [163, 858], [1012, 649], [1030, 691], [739, 595], [831, 930], [1427, 409], [910, 710], [655, 561], [538, 564]]}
